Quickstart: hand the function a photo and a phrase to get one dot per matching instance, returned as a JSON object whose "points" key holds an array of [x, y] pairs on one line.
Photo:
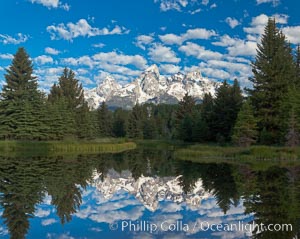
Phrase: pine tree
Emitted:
{"points": [[292, 136], [149, 124], [70, 92], [245, 129], [226, 107], [184, 118], [273, 74], [105, 120], [207, 111], [135, 123], [22, 102], [70, 88], [120, 119], [298, 66]]}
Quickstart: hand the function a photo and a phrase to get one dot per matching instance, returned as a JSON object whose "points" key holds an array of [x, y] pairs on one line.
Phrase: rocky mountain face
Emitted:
{"points": [[150, 190], [152, 87]]}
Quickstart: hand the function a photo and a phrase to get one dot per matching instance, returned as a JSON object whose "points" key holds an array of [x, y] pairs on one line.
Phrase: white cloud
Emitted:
{"points": [[160, 53], [48, 222], [214, 5], [6, 56], [7, 39], [292, 34], [195, 11], [43, 59], [143, 40], [281, 18], [121, 59], [166, 5], [259, 22], [52, 4], [232, 22], [99, 45], [42, 213], [274, 2], [81, 28], [191, 34], [243, 48], [192, 49], [83, 60], [169, 69], [236, 46], [205, 2], [51, 51]]}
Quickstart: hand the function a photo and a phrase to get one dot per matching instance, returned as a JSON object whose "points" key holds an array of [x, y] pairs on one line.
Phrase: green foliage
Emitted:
{"points": [[225, 110], [105, 121], [184, 118], [22, 102], [273, 74], [120, 119], [245, 130], [135, 122]]}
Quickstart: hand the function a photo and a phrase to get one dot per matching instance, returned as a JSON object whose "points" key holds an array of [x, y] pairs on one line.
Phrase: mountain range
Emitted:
{"points": [[149, 190], [150, 87]]}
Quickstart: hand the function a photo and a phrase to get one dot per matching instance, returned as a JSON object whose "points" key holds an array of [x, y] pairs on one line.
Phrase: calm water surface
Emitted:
{"points": [[144, 194]]}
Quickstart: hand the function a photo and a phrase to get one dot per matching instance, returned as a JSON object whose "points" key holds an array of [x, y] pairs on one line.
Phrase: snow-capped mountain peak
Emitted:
{"points": [[150, 86]]}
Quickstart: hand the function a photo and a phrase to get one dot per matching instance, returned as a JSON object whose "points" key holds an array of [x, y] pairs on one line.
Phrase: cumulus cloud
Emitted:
{"points": [[6, 56], [121, 59], [292, 34], [43, 59], [81, 28], [274, 2], [143, 40], [259, 22], [51, 51], [52, 4], [160, 53], [166, 5], [19, 38], [191, 34], [47, 222], [236, 46], [192, 49], [99, 45], [169, 69], [232, 22]]}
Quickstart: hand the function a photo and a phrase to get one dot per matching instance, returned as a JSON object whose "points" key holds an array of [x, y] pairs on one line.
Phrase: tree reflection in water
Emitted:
{"points": [[272, 194]]}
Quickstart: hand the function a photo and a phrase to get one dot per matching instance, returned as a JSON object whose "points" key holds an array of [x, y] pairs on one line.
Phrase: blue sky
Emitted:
{"points": [[122, 38]]}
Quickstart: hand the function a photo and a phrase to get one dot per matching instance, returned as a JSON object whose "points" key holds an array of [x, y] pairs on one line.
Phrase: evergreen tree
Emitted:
{"points": [[70, 92], [149, 128], [293, 137], [298, 66], [22, 102], [135, 122], [104, 120], [120, 119], [245, 129], [273, 73], [207, 111], [70, 88], [226, 107], [184, 118], [84, 122], [61, 118]]}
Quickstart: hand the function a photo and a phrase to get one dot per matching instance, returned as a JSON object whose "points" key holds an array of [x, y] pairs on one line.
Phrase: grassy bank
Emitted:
{"points": [[204, 153], [57, 147]]}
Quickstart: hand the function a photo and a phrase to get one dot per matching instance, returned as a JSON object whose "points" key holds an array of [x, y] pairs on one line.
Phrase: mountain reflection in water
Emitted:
{"points": [[87, 196]]}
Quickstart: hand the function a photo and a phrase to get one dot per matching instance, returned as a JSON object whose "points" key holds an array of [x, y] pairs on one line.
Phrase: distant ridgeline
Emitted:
{"points": [[270, 114], [150, 87]]}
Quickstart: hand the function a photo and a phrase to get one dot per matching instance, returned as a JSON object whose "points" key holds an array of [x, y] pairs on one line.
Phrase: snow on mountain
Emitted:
{"points": [[150, 86], [149, 190]]}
